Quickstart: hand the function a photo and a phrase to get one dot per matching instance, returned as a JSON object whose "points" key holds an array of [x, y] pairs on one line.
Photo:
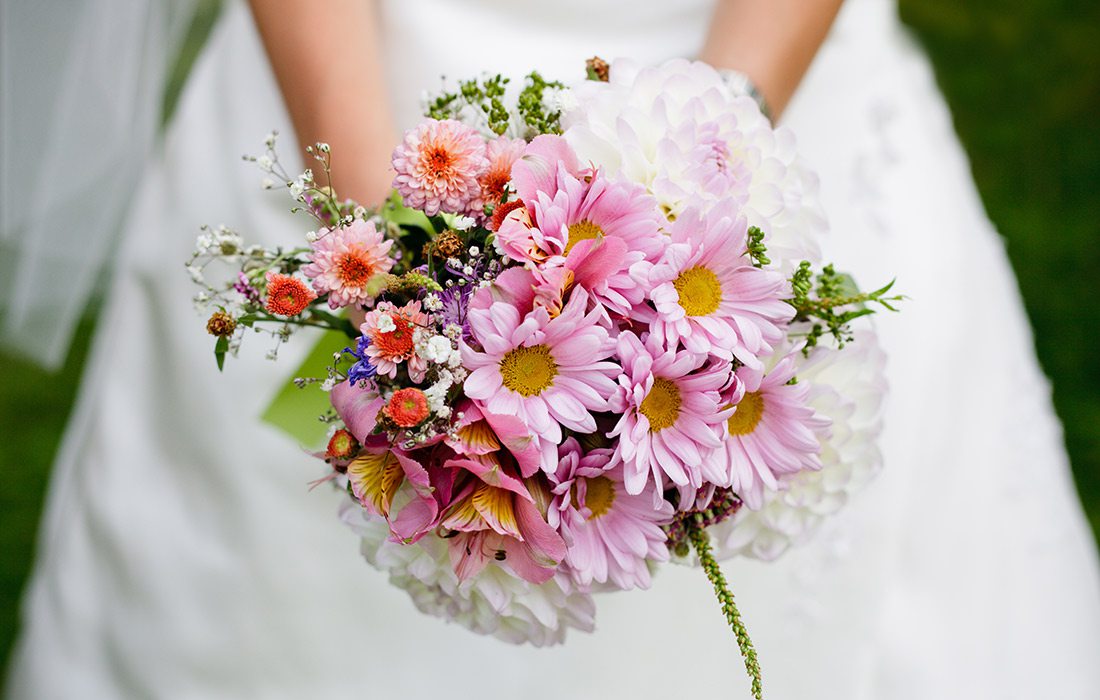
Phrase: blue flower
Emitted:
{"points": [[362, 369]]}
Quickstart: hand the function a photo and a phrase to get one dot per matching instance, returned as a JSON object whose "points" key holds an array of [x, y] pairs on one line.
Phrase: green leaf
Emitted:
{"points": [[294, 411], [220, 348], [394, 210]]}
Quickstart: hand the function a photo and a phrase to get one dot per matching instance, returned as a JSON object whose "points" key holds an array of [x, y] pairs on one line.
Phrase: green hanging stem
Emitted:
{"points": [[701, 541]]}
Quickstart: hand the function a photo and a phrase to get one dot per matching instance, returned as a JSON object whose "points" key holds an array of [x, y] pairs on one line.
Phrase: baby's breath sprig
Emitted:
{"points": [[697, 533]]}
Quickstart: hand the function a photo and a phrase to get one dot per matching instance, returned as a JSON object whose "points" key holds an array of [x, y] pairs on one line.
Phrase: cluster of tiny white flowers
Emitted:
{"points": [[432, 302], [299, 185], [385, 323], [219, 241], [463, 223]]}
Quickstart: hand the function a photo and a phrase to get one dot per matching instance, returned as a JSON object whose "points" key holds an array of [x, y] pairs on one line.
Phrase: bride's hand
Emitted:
{"points": [[338, 97], [772, 41]]}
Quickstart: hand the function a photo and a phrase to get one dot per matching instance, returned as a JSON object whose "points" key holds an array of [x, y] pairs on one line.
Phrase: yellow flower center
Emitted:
{"points": [[746, 415], [582, 231], [661, 405], [528, 371], [699, 291], [599, 496]]}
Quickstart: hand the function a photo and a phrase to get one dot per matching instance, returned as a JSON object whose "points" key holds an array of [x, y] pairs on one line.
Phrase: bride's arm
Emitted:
{"points": [[771, 41], [327, 62]]}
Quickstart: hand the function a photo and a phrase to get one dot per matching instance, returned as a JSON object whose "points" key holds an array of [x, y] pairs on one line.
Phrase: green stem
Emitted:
{"points": [[701, 542]]}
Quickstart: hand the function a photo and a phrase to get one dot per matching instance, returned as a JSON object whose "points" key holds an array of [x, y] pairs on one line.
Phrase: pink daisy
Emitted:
{"points": [[671, 416], [344, 260], [583, 221], [550, 372], [390, 331], [438, 165], [771, 432], [709, 296], [611, 534]]}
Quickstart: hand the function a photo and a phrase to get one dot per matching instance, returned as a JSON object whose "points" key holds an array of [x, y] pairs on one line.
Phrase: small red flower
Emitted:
{"points": [[286, 295], [502, 211], [407, 407], [341, 445]]}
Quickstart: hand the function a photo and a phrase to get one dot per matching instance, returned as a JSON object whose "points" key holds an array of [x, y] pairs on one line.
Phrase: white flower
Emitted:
{"points": [[204, 243], [463, 223], [311, 236], [495, 602], [438, 349], [265, 163], [474, 251], [196, 274], [385, 323], [269, 140], [679, 130], [267, 183], [432, 302], [559, 100], [328, 384], [847, 386]]}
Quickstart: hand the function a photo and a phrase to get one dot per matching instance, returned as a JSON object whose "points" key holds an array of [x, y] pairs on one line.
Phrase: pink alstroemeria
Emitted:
{"points": [[378, 473], [497, 519]]}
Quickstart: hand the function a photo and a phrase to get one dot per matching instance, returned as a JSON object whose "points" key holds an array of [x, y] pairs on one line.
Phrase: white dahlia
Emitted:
{"points": [[678, 129], [847, 387], [494, 602]]}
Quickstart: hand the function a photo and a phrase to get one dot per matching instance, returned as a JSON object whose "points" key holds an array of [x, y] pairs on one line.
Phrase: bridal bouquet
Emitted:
{"points": [[591, 334]]}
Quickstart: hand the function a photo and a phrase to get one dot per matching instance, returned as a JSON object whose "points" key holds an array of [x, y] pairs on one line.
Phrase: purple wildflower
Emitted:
{"points": [[362, 370]]}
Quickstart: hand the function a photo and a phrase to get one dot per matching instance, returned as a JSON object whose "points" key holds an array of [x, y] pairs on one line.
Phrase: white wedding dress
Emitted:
{"points": [[181, 555]]}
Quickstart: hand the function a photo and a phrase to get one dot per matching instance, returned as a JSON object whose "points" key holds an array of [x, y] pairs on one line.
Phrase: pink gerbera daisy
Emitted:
{"points": [[550, 372], [583, 221], [438, 165], [611, 534], [671, 416], [344, 260], [390, 331], [709, 296], [771, 432]]}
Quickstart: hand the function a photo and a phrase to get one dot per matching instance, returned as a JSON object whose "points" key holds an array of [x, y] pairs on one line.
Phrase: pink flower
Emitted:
{"points": [[611, 534], [390, 330], [501, 153], [438, 165], [709, 296], [578, 219], [376, 476], [498, 519], [671, 417], [550, 372], [773, 431], [345, 259], [287, 295]]}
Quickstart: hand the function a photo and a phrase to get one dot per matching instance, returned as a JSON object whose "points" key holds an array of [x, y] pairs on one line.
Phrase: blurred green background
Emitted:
{"points": [[1023, 81]]}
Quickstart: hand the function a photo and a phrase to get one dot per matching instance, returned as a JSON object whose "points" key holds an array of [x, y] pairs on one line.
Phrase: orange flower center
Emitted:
{"points": [[438, 162], [354, 270], [399, 341]]}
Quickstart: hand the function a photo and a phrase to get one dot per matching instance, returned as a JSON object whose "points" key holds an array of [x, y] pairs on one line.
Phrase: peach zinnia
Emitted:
{"points": [[344, 261], [390, 329], [438, 165]]}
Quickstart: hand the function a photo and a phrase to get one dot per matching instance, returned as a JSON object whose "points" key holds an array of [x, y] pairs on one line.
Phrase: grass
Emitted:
{"points": [[1023, 81]]}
